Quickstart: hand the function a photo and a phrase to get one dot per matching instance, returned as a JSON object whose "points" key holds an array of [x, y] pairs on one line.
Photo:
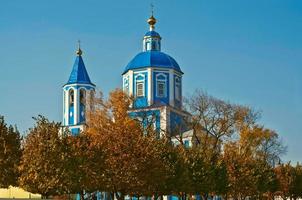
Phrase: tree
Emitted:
{"points": [[248, 162], [289, 181], [85, 164], [136, 162], [202, 176], [284, 173], [297, 182], [214, 120], [45, 163], [10, 153]]}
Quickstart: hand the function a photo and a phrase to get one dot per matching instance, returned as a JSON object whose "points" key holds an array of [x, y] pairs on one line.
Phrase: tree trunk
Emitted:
{"points": [[82, 195], [120, 196]]}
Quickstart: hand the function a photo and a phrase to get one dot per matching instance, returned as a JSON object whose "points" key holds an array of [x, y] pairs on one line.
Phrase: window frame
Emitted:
{"points": [[139, 81], [71, 97], [161, 81], [178, 88]]}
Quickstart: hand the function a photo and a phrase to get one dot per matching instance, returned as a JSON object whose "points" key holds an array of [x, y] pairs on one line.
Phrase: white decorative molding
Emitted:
{"points": [[150, 86], [76, 113], [130, 83], [171, 87]]}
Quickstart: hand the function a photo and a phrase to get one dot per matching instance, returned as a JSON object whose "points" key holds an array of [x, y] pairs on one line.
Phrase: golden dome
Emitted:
{"points": [[151, 20], [79, 52]]}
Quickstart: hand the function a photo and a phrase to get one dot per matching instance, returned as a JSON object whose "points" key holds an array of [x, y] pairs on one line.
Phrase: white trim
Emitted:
{"points": [[78, 84], [163, 121], [140, 71], [171, 87], [67, 104], [178, 88], [131, 83], [150, 87], [76, 107], [126, 78]]}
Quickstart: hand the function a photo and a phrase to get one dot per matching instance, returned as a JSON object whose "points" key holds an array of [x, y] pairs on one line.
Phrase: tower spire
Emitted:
{"points": [[79, 51], [152, 21], [152, 7]]}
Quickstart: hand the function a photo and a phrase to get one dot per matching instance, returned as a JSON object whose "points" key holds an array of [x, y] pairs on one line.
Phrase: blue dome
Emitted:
{"points": [[152, 59], [152, 34]]}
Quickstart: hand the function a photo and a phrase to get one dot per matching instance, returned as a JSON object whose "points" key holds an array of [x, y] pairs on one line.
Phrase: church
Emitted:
{"points": [[152, 77]]}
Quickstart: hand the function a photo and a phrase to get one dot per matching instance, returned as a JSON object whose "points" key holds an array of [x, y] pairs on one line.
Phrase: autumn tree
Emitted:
{"points": [[214, 120], [297, 182], [200, 176], [45, 164], [84, 164], [136, 162], [289, 181], [10, 153], [248, 162]]}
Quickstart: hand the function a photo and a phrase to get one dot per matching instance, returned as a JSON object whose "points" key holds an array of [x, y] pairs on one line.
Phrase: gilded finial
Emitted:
{"points": [[151, 21], [79, 51]]}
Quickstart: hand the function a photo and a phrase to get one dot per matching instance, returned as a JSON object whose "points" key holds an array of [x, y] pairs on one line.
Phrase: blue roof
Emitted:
{"points": [[152, 59], [79, 73], [152, 34]]}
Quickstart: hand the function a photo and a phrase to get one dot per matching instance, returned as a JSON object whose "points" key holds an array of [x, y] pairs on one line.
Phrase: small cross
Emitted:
{"points": [[79, 43], [152, 7]]}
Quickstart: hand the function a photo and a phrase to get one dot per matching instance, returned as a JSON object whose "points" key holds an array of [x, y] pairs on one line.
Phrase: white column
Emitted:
{"points": [[163, 121], [66, 106], [76, 106], [130, 82], [171, 87], [150, 87]]}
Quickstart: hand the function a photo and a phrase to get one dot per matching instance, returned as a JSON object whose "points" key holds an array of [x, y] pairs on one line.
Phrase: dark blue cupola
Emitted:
{"points": [[152, 76], [152, 56], [152, 39], [79, 73], [76, 93]]}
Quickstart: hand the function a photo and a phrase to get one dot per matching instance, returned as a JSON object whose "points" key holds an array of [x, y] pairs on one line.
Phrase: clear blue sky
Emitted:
{"points": [[247, 52]]}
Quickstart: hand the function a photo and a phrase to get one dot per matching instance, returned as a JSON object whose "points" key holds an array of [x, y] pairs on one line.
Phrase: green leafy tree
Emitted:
{"points": [[10, 154]]}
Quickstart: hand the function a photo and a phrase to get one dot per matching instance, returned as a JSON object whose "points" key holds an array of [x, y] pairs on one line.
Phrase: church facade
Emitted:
{"points": [[152, 77]]}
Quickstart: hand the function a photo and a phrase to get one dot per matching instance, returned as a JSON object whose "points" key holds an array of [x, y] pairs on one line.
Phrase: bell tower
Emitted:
{"points": [[76, 93]]}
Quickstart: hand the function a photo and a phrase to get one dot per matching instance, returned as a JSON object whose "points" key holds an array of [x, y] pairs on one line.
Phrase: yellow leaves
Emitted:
{"points": [[10, 152]]}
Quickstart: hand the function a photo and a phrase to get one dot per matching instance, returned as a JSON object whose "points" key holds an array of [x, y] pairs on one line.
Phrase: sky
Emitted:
{"points": [[245, 52]]}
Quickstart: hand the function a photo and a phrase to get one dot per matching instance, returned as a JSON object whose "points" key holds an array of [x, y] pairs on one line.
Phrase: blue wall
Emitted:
{"points": [[71, 118], [177, 103], [146, 115], [82, 109], [177, 122]]}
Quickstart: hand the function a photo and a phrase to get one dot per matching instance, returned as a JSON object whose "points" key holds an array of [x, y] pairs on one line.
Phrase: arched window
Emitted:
{"points": [[126, 85], [177, 88], [71, 97], [153, 45], [148, 46], [140, 85], [82, 96], [161, 85]]}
